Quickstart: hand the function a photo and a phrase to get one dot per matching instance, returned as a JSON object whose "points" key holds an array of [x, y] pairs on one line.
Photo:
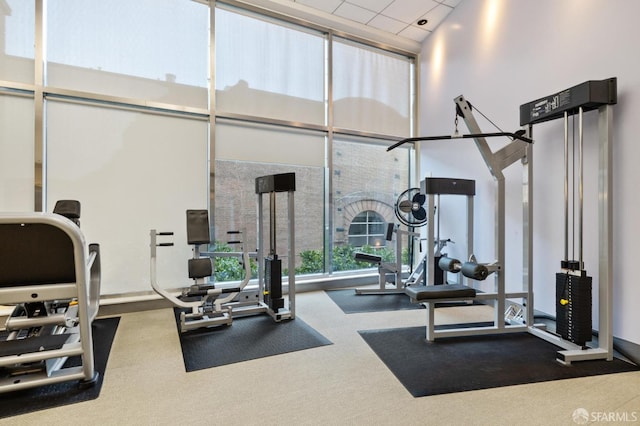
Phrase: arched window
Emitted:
{"points": [[367, 228]]}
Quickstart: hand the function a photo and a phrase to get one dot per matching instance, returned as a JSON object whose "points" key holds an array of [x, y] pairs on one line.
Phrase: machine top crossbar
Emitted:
{"points": [[449, 186], [589, 95], [282, 182]]}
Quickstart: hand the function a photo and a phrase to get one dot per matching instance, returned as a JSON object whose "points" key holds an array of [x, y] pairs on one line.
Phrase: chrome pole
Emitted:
{"points": [[580, 178], [566, 186]]}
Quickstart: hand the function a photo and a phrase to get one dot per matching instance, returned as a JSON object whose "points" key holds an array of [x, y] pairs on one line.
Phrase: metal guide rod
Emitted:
{"points": [[437, 218], [272, 223], [566, 186], [580, 212], [291, 252], [260, 238], [580, 178]]}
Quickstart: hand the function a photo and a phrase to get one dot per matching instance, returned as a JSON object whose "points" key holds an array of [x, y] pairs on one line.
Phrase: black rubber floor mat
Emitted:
{"points": [[55, 395], [460, 364], [245, 339], [352, 303]]}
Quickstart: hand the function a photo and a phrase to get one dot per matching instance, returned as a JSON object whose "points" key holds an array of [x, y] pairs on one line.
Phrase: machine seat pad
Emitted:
{"points": [[366, 257], [200, 268], [445, 291]]}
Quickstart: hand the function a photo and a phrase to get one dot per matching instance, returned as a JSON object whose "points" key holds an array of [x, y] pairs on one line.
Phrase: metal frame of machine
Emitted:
{"points": [[47, 262], [510, 316], [213, 305]]}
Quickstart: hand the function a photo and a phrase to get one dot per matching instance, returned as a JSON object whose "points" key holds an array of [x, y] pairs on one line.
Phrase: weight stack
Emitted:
{"points": [[573, 307], [273, 283]]}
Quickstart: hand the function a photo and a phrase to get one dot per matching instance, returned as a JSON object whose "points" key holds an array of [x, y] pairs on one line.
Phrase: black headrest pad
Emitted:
{"points": [[68, 208]]}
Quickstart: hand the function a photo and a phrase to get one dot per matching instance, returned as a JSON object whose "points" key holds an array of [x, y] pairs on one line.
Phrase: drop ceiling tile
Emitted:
{"points": [[372, 5], [354, 13], [390, 25], [414, 33], [387, 15], [435, 16], [324, 5], [409, 10]]}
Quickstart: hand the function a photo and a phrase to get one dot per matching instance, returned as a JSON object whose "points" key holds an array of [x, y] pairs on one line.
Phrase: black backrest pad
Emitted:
{"points": [[198, 227], [35, 253], [200, 268]]}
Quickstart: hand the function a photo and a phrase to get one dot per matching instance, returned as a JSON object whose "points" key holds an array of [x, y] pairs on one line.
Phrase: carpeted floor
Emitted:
{"points": [[245, 339], [54, 395], [460, 364]]}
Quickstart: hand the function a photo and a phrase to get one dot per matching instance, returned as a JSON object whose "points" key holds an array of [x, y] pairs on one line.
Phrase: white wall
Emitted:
{"points": [[500, 54]]}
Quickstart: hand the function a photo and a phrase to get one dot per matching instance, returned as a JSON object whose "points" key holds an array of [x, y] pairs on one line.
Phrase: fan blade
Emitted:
{"points": [[420, 214], [405, 206], [419, 198]]}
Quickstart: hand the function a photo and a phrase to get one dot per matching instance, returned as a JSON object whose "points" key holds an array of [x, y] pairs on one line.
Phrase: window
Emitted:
{"points": [[127, 87], [367, 229], [17, 40], [130, 176], [280, 73], [17, 158], [245, 151], [370, 180], [271, 117], [144, 49], [372, 89]]}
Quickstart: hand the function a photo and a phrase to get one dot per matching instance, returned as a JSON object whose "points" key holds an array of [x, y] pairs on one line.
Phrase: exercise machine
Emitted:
{"points": [[438, 292], [573, 285], [411, 211], [416, 207], [518, 149], [270, 283], [511, 316], [206, 304], [393, 269], [200, 303], [52, 276]]}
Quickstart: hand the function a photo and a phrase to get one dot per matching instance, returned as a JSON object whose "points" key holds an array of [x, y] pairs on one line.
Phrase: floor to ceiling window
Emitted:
{"points": [[326, 107], [112, 104]]}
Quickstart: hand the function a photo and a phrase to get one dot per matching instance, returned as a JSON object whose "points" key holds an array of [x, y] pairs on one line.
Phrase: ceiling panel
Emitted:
{"points": [[354, 13], [397, 17], [409, 10], [373, 5]]}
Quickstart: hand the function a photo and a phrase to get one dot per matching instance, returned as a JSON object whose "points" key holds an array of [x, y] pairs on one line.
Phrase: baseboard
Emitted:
{"points": [[111, 305], [629, 350]]}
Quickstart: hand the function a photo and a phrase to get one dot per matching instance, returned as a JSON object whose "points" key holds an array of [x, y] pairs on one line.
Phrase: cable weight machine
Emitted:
{"points": [[204, 304], [573, 285], [271, 276]]}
